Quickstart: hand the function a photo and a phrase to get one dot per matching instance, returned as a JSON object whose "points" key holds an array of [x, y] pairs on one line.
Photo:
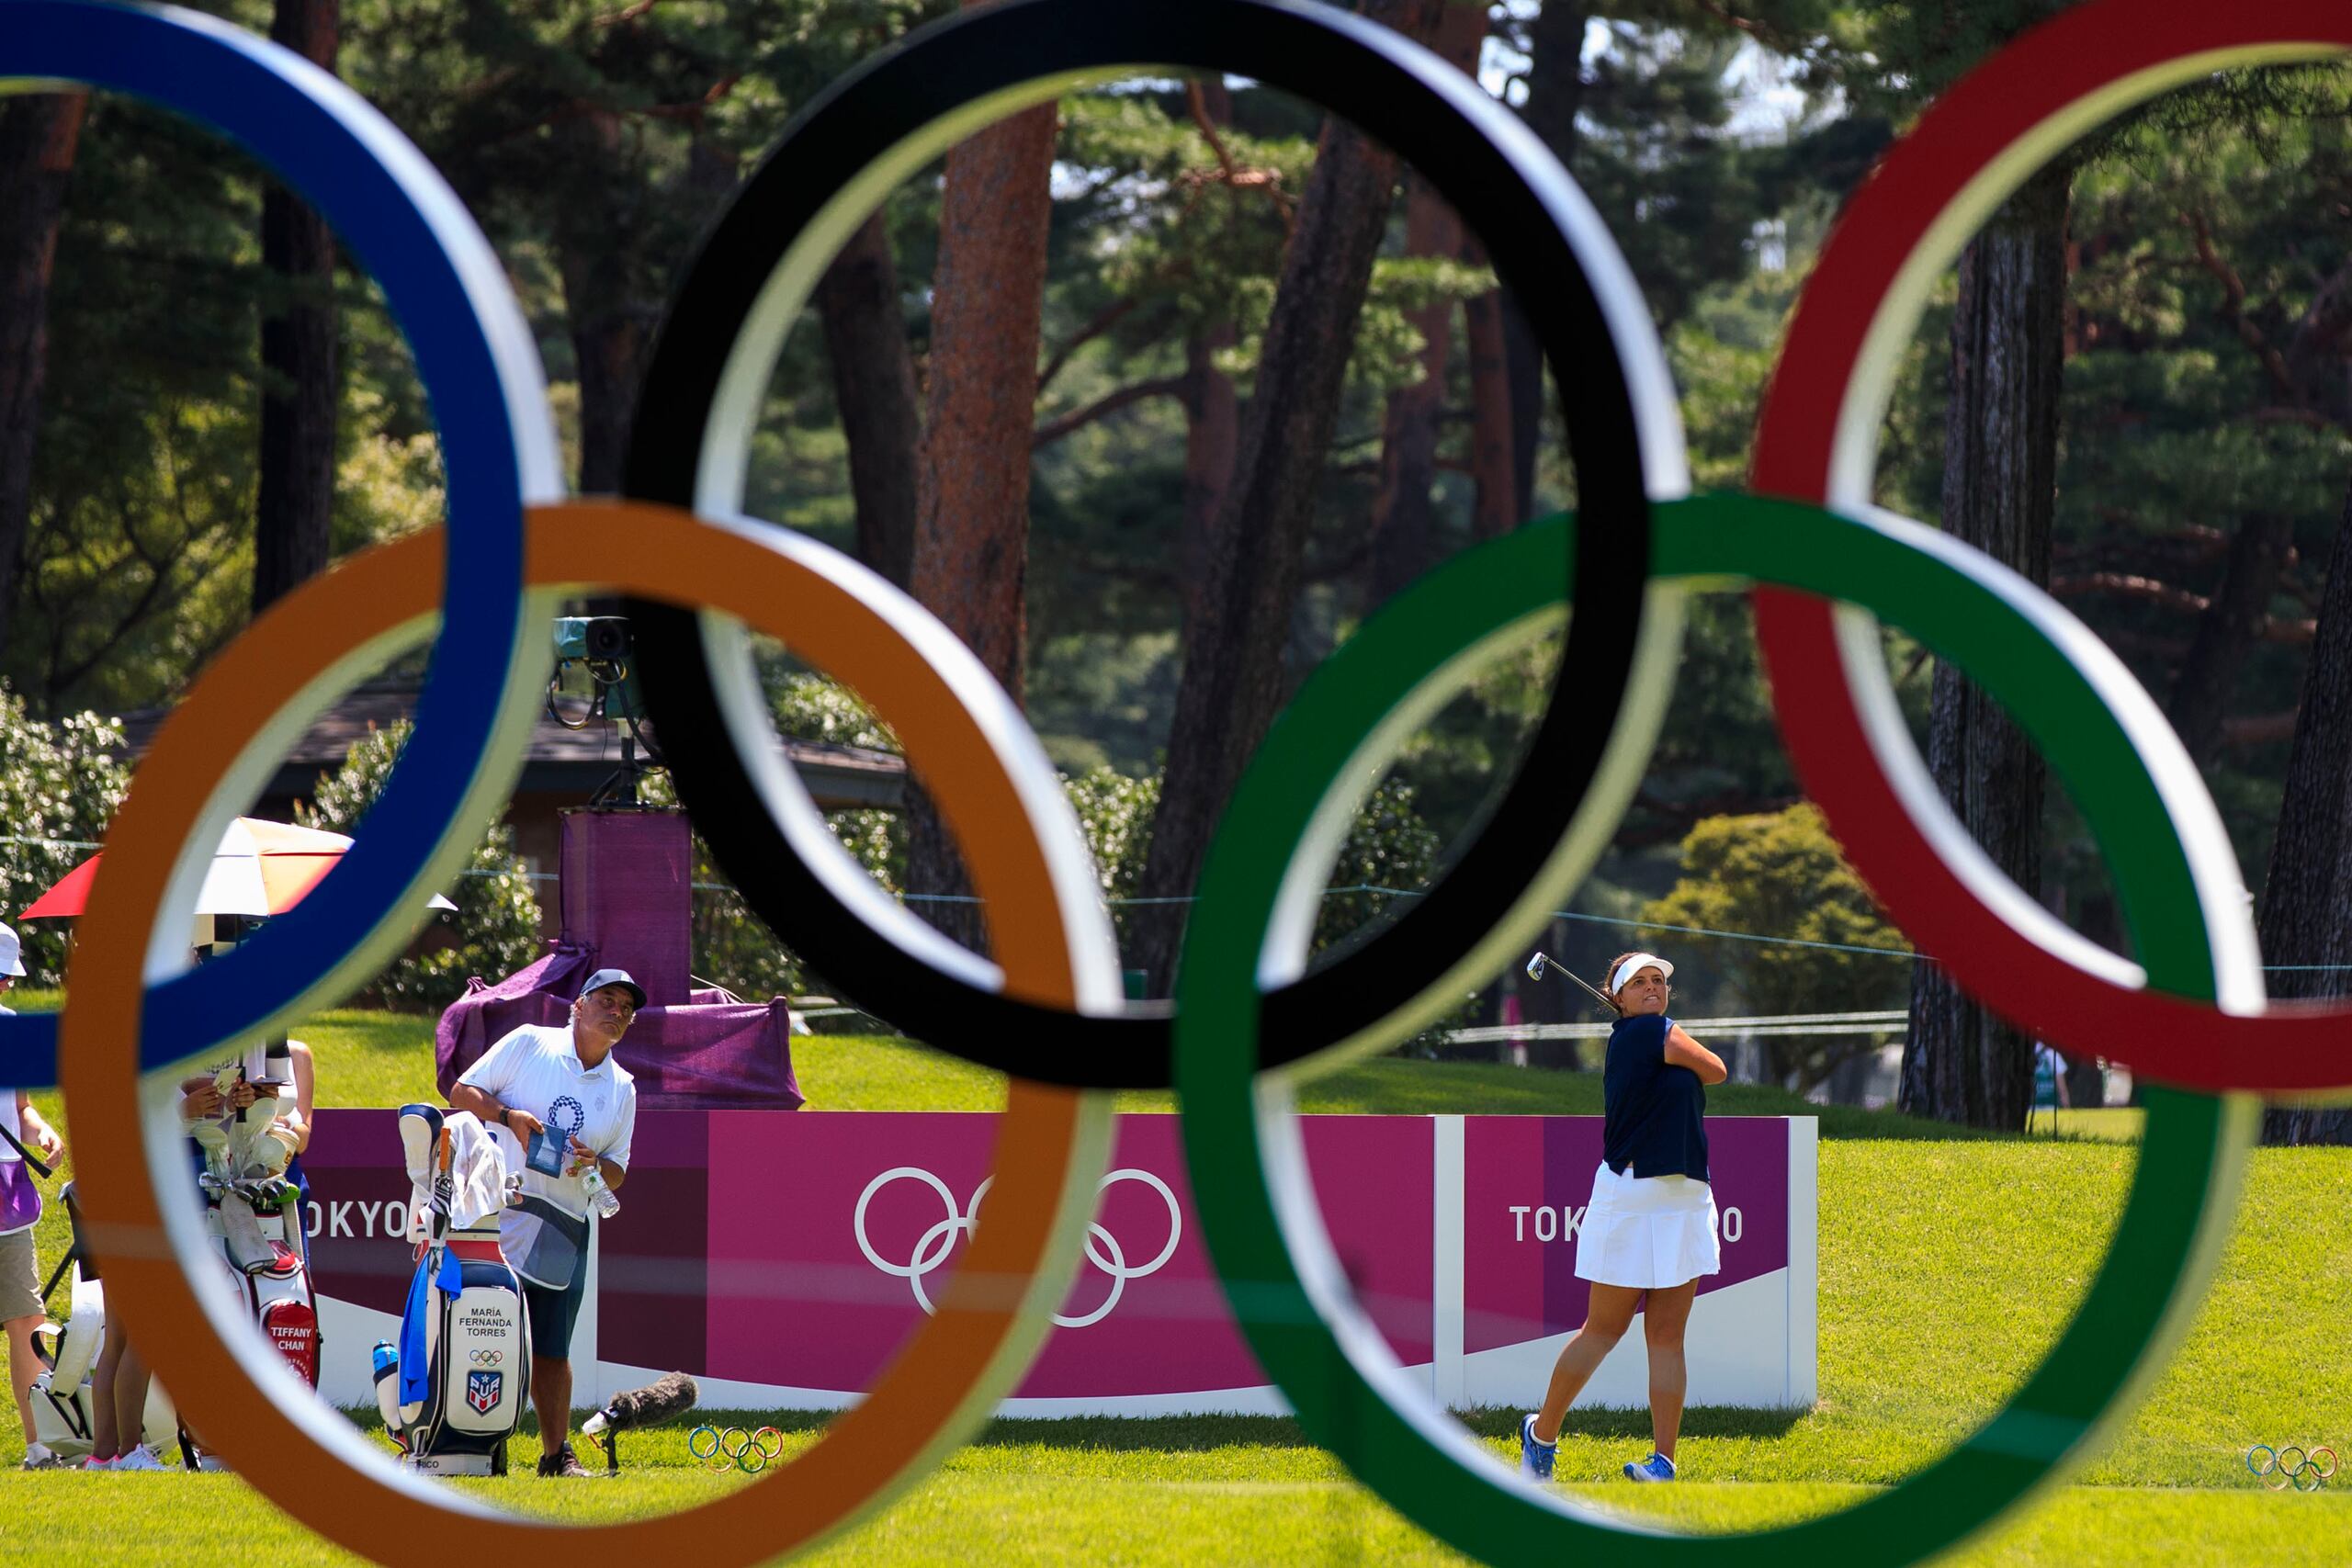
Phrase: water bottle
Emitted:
{"points": [[388, 1385], [601, 1198]]}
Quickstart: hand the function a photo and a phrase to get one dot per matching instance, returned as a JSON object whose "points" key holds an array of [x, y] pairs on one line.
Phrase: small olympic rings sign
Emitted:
{"points": [[2279, 1469], [732, 1448], [931, 1250]]}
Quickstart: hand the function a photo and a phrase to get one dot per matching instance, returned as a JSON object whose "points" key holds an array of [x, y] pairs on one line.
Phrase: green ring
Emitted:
{"points": [[1244, 1156]]}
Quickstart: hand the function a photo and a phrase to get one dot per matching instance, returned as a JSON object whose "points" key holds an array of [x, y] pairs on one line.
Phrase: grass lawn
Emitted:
{"points": [[1947, 1263]]}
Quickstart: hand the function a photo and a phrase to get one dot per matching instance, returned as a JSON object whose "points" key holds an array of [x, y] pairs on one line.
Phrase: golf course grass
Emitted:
{"points": [[1947, 1263]]}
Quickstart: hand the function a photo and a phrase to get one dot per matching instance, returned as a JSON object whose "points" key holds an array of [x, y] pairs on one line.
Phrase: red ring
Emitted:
{"points": [[1973, 146]]}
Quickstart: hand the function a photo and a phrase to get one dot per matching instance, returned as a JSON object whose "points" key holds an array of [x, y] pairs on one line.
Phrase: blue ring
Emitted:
{"points": [[482, 376]]}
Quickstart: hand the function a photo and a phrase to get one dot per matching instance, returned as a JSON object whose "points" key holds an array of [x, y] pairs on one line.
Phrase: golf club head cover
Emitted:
{"points": [[665, 1396], [420, 1131], [242, 1239]]}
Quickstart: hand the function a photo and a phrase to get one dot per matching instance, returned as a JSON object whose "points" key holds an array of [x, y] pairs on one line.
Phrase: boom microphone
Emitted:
{"points": [[665, 1396]]}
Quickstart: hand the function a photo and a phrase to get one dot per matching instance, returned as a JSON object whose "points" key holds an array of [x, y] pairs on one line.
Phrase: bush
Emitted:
{"points": [[1389, 847], [495, 930], [1781, 874], [733, 947], [58, 782]]}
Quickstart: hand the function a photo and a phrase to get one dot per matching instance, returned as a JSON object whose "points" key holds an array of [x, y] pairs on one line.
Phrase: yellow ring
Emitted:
{"points": [[1050, 1143]]}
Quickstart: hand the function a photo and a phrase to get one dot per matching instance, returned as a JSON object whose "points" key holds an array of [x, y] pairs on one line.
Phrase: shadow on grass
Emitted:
{"points": [[1202, 1434], [1698, 1421]]}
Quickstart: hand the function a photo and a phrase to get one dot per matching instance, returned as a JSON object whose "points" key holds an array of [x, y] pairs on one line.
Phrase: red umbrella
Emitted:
{"points": [[260, 868]]}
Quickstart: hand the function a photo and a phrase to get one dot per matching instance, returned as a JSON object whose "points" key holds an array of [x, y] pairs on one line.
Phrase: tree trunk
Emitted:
{"points": [[1212, 435], [37, 138], [874, 383], [2306, 913], [1212, 407], [296, 504], [971, 537], [1961, 1063], [1491, 454], [2228, 630], [1404, 518], [1554, 91], [604, 304], [1233, 675]]}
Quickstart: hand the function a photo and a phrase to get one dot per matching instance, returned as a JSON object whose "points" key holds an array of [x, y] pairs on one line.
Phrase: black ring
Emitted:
{"points": [[1510, 191]]}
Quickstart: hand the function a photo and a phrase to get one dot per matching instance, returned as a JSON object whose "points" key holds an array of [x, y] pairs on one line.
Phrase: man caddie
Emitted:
{"points": [[571, 1108]]}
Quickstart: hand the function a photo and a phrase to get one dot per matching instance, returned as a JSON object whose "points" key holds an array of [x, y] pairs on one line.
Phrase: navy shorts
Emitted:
{"points": [[553, 1312]]}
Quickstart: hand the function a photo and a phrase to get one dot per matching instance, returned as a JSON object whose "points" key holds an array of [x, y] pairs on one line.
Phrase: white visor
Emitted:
{"points": [[1634, 965]]}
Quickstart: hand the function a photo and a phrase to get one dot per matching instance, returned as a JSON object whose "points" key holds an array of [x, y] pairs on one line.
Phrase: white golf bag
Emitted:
{"points": [[254, 1216], [466, 1325], [253, 1222], [69, 1352]]}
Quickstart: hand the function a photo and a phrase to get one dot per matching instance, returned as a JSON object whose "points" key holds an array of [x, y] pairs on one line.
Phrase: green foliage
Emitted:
{"points": [[1115, 811], [731, 946], [1389, 848], [59, 780], [807, 706], [1781, 875], [495, 930], [139, 553]]}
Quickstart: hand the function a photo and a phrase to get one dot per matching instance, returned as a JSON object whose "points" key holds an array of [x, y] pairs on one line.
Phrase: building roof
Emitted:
{"points": [[559, 760]]}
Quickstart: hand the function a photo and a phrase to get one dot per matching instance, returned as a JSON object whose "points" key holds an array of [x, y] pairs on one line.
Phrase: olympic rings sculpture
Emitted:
{"points": [[932, 1247], [1046, 1008], [2304, 1471]]}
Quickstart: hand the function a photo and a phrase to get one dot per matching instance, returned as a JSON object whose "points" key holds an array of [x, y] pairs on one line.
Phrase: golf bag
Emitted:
{"points": [[69, 1353], [454, 1389], [254, 1224], [254, 1215]]}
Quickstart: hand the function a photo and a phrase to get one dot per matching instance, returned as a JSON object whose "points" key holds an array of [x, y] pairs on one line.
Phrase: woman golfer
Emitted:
{"points": [[1650, 1230]]}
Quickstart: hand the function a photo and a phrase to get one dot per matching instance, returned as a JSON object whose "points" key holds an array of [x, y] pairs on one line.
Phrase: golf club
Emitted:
{"points": [[1540, 964]]}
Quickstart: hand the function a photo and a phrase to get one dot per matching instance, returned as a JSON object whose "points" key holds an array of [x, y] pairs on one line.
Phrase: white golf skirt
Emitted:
{"points": [[1647, 1232]]}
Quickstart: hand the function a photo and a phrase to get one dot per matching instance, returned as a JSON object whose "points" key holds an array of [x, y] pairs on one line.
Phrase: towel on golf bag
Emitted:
{"points": [[477, 1173], [416, 1376]]}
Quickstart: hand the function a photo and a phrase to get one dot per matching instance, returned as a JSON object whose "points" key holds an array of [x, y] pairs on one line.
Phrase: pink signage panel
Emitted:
{"points": [[1526, 1181], [844, 1224], [794, 1253]]}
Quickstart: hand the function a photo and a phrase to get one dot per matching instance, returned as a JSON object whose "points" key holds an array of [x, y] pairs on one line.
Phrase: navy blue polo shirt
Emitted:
{"points": [[1655, 1110]]}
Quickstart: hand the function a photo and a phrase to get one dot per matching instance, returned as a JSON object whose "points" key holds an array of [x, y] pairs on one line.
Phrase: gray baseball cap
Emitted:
{"points": [[604, 978], [12, 952]]}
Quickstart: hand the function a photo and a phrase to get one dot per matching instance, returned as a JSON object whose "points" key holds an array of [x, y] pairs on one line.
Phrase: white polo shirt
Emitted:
{"points": [[537, 1068]]}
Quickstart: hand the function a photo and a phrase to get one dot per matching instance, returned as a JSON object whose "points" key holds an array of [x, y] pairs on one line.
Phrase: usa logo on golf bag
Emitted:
{"points": [[481, 1390]]}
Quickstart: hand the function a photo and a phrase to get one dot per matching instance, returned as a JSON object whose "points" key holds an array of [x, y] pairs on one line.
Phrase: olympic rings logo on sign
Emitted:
{"points": [[1046, 1006], [2277, 1469], [486, 1358], [931, 1250]]}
